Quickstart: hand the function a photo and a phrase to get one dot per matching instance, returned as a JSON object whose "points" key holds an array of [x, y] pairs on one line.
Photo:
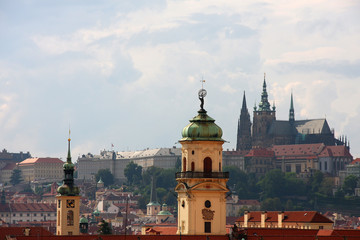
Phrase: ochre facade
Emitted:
{"points": [[201, 184], [68, 215]]}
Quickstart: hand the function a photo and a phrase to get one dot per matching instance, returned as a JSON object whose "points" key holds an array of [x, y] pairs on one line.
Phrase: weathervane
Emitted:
{"points": [[202, 93]]}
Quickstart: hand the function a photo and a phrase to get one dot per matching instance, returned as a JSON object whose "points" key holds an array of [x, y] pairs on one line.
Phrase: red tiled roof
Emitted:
{"points": [[9, 166], [291, 216], [40, 160], [19, 231], [31, 207], [356, 161], [166, 230], [260, 152], [335, 151], [298, 149]]}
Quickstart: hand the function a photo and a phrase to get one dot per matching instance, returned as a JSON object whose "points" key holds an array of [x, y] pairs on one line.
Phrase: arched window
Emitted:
{"points": [[219, 167], [207, 165], [70, 218], [192, 166], [184, 165]]}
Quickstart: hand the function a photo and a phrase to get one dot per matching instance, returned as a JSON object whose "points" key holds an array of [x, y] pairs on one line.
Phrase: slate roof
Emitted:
{"points": [[150, 153], [282, 128], [312, 126]]}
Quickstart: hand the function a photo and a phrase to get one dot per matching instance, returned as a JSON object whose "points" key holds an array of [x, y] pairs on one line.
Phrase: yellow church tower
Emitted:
{"points": [[201, 184], [68, 202]]}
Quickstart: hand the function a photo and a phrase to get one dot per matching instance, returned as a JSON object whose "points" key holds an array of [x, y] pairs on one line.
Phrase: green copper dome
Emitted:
{"points": [[202, 128]]}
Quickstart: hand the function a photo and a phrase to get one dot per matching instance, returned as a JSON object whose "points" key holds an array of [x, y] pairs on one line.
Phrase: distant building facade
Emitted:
{"points": [[289, 219], [8, 163], [266, 131], [89, 165], [41, 169]]}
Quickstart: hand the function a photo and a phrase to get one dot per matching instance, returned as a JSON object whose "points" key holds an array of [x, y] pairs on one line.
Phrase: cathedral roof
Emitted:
{"points": [[312, 126], [282, 128]]}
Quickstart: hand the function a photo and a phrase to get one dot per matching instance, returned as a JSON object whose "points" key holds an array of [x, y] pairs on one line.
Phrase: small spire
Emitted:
{"points": [[69, 153], [273, 107], [244, 107], [291, 111], [264, 105]]}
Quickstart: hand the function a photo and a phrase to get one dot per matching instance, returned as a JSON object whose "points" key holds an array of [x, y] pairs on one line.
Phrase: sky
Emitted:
{"points": [[127, 73]]}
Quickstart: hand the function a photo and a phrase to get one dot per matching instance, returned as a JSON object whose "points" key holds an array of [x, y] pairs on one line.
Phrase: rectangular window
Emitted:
{"points": [[298, 168], [288, 168], [208, 227], [325, 166]]}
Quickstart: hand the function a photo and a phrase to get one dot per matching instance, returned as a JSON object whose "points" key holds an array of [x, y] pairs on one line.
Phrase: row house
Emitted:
{"points": [[14, 213], [287, 219]]}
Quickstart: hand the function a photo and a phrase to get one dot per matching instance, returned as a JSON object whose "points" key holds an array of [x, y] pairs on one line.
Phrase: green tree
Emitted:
{"points": [[350, 184], [272, 185], [271, 204], [104, 228], [293, 186], [15, 177], [106, 176], [326, 187], [133, 173], [39, 191]]}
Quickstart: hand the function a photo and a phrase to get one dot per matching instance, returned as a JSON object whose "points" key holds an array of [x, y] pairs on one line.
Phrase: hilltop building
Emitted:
{"points": [[88, 165], [266, 131], [201, 184], [8, 162], [41, 169]]}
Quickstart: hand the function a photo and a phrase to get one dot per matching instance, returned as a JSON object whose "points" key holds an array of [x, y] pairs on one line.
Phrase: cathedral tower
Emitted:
{"points": [[201, 184], [262, 120], [244, 128], [68, 201]]}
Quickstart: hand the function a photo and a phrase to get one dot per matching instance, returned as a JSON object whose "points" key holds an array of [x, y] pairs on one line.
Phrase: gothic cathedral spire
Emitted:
{"points": [[291, 111], [244, 128], [264, 105]]}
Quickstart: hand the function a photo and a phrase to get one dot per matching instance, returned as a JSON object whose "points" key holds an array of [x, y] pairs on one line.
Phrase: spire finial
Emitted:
{"points": [[202, 93], [69, 153]]}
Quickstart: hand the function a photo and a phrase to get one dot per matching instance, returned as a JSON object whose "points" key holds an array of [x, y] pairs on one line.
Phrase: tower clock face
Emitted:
{"points": [[70, 203]]}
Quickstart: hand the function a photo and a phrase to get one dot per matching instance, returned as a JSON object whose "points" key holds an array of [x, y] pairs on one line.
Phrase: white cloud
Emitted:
{"points": [[107, 71]]}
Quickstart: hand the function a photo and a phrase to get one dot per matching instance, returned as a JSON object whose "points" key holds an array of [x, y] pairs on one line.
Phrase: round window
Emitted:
{"points": [[207, 204]]}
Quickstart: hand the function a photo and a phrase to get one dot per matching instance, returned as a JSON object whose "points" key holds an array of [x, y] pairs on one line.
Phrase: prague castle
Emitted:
{"points": [[266, 131]]}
